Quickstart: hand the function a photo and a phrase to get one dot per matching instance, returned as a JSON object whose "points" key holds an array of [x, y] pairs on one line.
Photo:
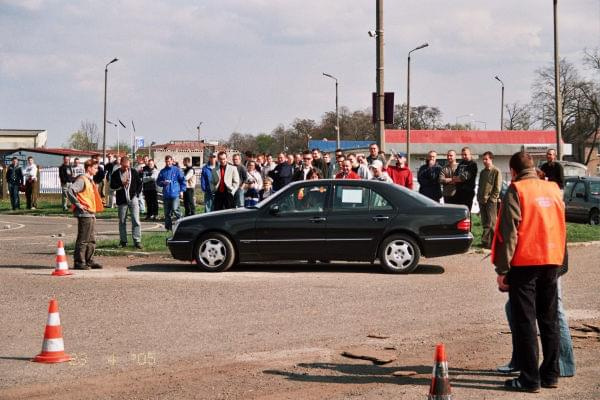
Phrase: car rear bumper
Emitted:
{"points": [[438, 246], [180, 249]]}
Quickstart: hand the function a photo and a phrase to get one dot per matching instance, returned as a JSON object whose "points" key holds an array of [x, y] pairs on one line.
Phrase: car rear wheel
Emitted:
{"points": [[594, 217], [214, 253], [399, 254]]}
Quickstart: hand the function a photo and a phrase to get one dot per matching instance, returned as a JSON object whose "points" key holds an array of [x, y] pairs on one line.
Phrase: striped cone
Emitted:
{"points": [[53, 348], [440, 381], [62, 268]]}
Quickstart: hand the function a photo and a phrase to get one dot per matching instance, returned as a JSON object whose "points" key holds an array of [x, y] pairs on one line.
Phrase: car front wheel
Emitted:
{"points": [[214, 252], [399, 254]]}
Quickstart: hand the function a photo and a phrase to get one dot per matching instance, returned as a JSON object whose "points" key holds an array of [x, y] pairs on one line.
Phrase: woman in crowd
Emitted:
{"points": [[253, 185]]}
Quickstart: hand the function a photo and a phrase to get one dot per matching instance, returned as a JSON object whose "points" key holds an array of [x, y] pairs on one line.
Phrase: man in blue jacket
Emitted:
{"points": [[205, 182], [172, 181]]}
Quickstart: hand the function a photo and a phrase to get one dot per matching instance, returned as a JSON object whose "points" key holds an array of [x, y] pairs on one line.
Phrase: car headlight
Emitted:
{"points": [[175, 226]]}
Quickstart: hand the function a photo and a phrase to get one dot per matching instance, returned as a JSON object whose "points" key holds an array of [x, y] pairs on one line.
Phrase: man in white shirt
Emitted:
{"points": [[31, 183]]}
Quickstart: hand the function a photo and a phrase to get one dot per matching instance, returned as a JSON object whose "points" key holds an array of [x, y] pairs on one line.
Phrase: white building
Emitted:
{"points": [[22, 138]]}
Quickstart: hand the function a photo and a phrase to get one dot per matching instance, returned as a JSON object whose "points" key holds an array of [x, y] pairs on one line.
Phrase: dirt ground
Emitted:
{"points": [[153, 328]]}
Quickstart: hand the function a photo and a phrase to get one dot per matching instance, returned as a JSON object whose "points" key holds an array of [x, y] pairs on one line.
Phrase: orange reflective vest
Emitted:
{"points": [[541, 234], [89, 197]]}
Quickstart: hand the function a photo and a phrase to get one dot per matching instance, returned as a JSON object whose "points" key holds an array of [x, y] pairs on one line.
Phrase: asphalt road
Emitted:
{"points": [[150, 327]]}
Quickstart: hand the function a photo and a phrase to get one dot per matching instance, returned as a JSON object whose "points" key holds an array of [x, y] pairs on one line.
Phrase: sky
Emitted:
{"points": [[249, 65]]}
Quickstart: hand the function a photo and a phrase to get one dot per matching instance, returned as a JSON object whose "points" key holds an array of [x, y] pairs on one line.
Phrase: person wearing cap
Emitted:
{"points": [[378, 173], [429, 178], [205, 178], [400, 173]]}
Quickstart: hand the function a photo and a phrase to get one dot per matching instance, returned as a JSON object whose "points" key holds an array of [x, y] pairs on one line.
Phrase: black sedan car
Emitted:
{"points": [[325, 220]]}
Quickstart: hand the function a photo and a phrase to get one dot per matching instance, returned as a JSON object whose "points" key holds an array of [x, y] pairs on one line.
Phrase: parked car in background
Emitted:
{"points": [[327, 220], [582, 199]]}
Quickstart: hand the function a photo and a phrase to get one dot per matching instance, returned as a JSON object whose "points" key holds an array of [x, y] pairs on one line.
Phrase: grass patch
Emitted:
{"points": [[153, 242], [575, 232]]}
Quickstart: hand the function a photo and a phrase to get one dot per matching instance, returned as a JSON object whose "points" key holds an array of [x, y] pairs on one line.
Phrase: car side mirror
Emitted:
{"points": [[580, 195], [274, 209]]}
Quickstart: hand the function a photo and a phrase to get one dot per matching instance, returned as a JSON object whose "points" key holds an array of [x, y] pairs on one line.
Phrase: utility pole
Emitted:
{"points": [[557, 99], [380, 103]]}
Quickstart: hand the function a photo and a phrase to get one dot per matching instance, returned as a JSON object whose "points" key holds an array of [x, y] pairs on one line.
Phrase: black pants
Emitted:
{"points": [[223, 201], [534, 296], [151, 203], [85, 245], [189, 202]]}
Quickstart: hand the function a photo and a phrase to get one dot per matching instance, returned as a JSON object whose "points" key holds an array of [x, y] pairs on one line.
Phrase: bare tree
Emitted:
{"points": [[86, 137], [580, 110], [519, 117]]}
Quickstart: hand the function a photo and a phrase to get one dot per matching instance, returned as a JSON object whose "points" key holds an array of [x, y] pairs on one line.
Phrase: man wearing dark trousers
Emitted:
{"points": [[528, 249], [14, 179], [224, 183], [85, 198], [149, 176], [465, 178]]}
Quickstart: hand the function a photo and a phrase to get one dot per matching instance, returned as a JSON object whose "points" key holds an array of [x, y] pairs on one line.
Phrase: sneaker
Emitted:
{"points": [[123, 244], [95, 266], [138, 246], [517, 386], [507, 369], [86, 267]]}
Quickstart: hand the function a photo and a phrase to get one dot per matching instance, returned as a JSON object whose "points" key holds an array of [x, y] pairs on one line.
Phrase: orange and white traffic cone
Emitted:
{"points": [[440, 381], [53, 348], [62, 268]]}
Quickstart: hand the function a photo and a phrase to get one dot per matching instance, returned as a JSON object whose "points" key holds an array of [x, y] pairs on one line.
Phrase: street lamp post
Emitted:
{"points": [[501, 104], [116, 126], [337, 114], [104, 131], [557, 98], [408, 102]]}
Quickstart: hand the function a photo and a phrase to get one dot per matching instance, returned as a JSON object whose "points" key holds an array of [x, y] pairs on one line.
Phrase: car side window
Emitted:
{"points": [[379, 203], [579, 188], [569, 187], [351, 198], [304, 199], [595, 188]]}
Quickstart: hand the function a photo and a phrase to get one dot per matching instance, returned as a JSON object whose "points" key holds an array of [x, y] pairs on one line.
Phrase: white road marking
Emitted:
{"points": [[12, 223]]}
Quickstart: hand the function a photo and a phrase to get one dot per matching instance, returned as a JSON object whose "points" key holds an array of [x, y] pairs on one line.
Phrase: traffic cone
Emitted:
{"points": [[62, 268], [440, 382], [53, 348]]}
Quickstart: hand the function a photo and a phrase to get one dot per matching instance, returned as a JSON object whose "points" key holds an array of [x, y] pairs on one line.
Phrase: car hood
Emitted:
{"points": [[217, 214]]}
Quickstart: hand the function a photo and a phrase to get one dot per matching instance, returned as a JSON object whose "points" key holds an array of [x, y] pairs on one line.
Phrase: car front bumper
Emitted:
{"points": [[180, 249]]}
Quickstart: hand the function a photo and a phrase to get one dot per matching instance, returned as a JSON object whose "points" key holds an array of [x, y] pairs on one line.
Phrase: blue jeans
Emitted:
{"points": [[566, 360], [133, 206], [13, 189], [171, 207], [238, 198], [208, 201]]}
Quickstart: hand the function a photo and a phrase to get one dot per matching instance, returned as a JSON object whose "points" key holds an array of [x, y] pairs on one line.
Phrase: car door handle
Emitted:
{"points": [[318, 219], [381, 218]]}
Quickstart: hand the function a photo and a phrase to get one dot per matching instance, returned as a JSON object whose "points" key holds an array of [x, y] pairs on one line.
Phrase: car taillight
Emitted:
{"points": [[464, 225]]}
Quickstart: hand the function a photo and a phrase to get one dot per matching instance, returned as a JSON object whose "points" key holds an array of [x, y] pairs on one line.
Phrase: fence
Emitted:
{"points": [[49, 180]]}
